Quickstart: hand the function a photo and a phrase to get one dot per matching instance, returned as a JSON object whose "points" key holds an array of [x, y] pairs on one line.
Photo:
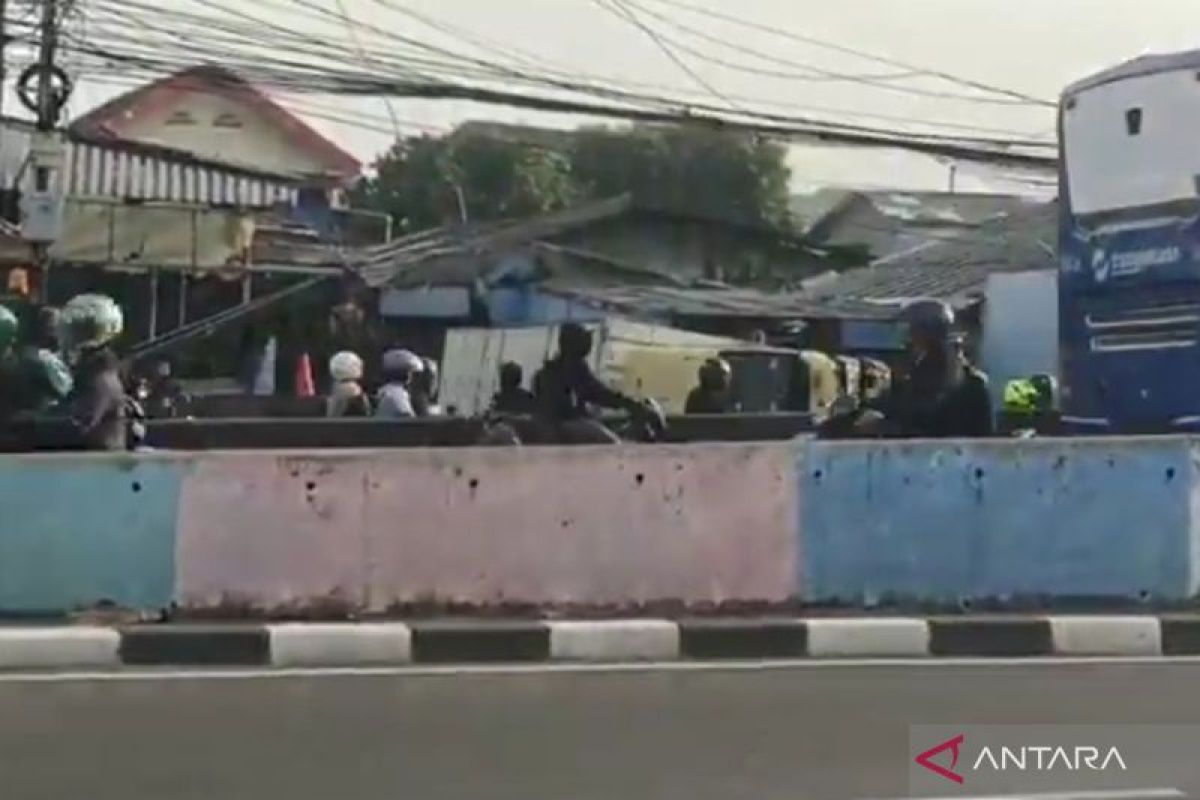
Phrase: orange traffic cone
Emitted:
{"points": [[305, 385]]}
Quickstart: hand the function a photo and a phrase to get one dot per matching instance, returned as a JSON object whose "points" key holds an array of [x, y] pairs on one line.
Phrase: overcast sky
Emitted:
{"points": [[1033, 46]]}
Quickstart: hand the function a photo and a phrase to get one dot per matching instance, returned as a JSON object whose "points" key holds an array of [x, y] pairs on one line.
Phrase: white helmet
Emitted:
{"points": [[402, 360], [90, 320], [346, 366]]}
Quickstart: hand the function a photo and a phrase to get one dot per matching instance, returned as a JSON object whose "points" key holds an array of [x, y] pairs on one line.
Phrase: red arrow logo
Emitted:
{"points": [[926, 759]]}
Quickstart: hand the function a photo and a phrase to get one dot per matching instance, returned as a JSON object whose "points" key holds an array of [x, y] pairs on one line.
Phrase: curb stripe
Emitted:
{"points": [[196, 645], [882, 638], [56, 648], [1180, 636], [456, 643], [449, 642], [995, 638], [347, 644], [725, 639], [615, 640], [1102, 636]]}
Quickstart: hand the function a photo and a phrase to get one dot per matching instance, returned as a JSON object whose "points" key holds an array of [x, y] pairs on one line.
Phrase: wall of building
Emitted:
{"points": [[257, 142], [1020, 327]]}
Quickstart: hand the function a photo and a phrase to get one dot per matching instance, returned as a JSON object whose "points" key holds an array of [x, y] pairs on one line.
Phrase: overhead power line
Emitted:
{"points": [[839, 48], [163, 40], [366, 61], [889, 83], [621, 11]]}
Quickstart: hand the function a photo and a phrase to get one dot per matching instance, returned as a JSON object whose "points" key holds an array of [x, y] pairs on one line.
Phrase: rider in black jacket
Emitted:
{"points": [[941, 394], [566, 390]]}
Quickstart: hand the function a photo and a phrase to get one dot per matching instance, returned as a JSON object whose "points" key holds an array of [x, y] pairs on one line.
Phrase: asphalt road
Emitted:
{"points": [[800, 733]]}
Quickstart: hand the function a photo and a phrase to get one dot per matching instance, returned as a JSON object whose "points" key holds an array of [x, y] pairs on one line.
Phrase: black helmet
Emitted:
{"points": [[511, 374], [932, 319], [715, 372], [574, 340]]}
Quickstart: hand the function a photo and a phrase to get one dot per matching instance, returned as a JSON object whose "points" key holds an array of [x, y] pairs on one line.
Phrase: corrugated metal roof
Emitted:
{"points": [[954, 267], [671, 301], [98, 166], [455, 256]]}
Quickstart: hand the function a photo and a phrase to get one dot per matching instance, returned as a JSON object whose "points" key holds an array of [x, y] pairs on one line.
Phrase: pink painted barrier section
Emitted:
{"points": [[591, 526], [263, 528]]}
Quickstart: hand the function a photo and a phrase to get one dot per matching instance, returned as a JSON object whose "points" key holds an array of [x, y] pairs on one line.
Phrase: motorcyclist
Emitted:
{"points": [[1030, 406], [347, 398], [512, 399], [941, 394], [713, 395], [395, 396], [9, 327], [566, 389], [95, 412]]}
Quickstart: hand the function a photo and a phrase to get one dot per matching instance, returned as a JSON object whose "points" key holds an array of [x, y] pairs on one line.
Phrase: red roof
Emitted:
{"points": [[111, 118]]}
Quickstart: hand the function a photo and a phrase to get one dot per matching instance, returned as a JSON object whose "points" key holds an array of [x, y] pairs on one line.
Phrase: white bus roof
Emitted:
{"points": [[1142, 65]]}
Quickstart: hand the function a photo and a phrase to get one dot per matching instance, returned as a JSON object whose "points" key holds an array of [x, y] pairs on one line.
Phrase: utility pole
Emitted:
{"points": [[3, 45], [48, 106], [43, 89]]}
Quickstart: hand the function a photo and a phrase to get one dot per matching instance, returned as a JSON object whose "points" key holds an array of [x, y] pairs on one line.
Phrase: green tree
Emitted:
{"points": [[425, 181], [720, 174]]}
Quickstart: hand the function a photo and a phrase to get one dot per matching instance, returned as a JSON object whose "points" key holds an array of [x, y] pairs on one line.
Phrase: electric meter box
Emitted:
{"points": [[42, 199], [41, 216]]}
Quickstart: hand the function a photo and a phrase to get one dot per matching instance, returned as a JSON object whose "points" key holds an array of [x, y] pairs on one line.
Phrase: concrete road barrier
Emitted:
{"points": [[615, 530], [999, 520], [618, 526]]}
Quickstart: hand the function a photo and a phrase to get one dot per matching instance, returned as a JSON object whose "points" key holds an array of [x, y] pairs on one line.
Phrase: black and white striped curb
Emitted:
{"points": [[368, 644]]}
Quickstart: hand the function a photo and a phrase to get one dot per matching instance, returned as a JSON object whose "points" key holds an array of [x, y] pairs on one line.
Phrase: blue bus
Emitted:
{"points": [[1129, 248]]}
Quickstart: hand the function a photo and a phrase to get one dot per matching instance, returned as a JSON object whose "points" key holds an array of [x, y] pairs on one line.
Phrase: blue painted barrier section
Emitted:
{"points": [[1002, 519], [78, 529]]}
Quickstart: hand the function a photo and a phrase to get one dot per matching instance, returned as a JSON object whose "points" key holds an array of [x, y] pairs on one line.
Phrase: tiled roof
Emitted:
{"points": [[954, 267], [890, 221]]}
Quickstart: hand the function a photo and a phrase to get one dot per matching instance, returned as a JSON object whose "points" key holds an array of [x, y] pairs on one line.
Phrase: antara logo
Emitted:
{"points": [[926, 759], [1043, 758], [1028, 758]]}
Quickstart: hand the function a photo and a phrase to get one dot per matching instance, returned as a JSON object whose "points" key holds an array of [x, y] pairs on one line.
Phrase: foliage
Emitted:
{"points": [[691, 171], [426, 181]]}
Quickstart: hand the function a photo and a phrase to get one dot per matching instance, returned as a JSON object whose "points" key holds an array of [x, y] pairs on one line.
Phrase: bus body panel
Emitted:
{"points": [[1129, 249]]}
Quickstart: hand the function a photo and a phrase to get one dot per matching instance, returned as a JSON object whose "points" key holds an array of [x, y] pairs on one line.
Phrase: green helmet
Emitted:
{"points": [[1021, 397], [9, 326]]}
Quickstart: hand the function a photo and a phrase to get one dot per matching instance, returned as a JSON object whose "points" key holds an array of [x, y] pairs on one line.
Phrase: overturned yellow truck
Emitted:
{"points": [[644, 360]]}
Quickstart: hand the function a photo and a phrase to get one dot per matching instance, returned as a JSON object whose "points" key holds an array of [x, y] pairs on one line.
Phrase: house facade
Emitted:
{"points": [[214, 113]]}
